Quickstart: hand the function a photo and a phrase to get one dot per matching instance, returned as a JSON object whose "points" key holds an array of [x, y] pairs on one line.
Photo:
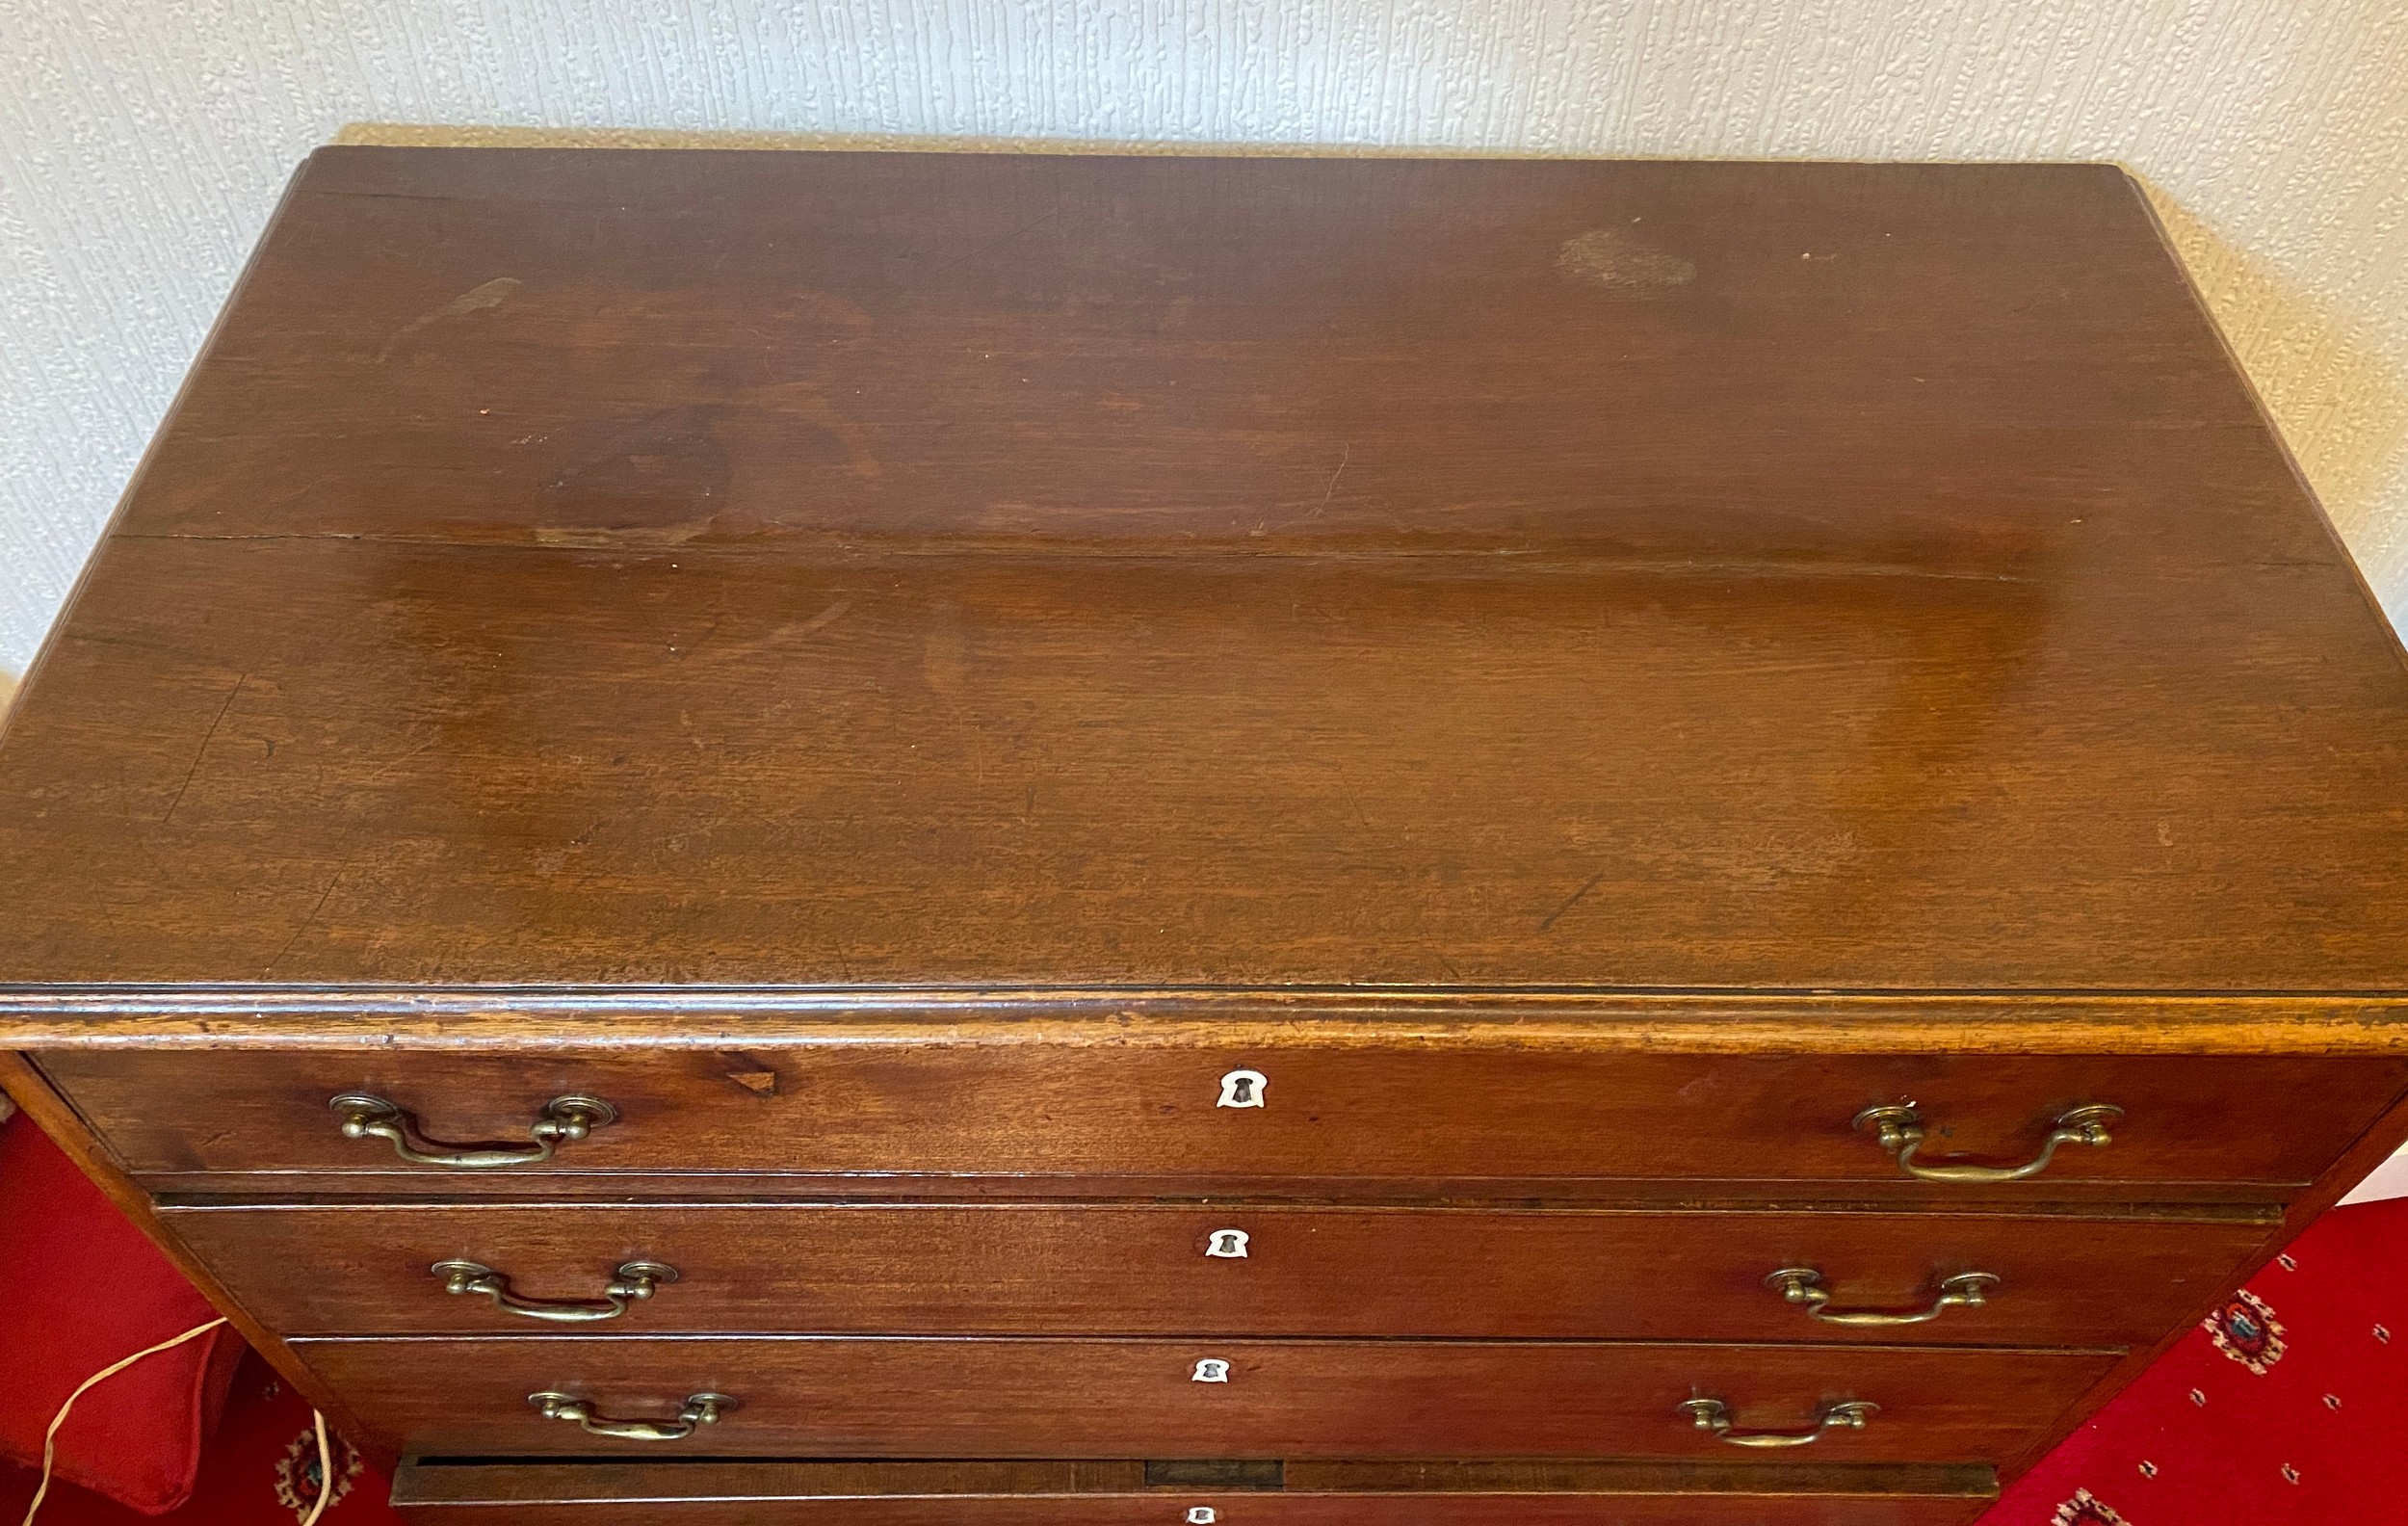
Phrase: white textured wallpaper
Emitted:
{"points": [[144, 142]]}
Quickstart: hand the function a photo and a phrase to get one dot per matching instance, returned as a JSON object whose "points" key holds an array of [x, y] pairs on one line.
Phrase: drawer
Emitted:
{"points": [[857, 1397], [1043, 1119], [1132, 1493], [1235, 1269]]}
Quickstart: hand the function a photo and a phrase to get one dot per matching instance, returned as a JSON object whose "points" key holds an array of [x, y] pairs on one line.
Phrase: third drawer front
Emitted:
{"points": [[852, 1397], [1044, 1118], [2035, 1279]]}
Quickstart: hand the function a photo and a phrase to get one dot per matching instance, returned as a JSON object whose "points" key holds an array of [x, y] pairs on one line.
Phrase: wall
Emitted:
{"points": [[141, 146]]}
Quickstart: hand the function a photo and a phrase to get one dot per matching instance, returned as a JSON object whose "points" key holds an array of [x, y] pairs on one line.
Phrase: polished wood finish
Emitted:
{"points": [[1143, 1270], [1045, 1112], [447, 1019], [1109, 1494], [996, 1397], [829, 569], [901, 672]]}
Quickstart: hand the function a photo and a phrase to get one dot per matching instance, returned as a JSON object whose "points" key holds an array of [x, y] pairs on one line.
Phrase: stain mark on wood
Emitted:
{"points": [[824, 617], [656, 482], [1613, 259], [809, 401], [477, 298]]}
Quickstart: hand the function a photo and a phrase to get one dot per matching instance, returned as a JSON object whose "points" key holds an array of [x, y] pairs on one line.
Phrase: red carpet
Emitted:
{"points": [[261, 1469], [2290, 1405], [83, 1290], [2292, 1409]]}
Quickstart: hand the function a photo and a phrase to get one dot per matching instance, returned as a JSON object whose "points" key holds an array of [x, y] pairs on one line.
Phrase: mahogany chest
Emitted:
{"points": [[892, 839]]}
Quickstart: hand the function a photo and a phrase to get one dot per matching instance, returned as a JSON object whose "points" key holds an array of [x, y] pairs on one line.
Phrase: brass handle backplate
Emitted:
{"points": [[1712, 1414], [1899, 1130], [1803, 1285], [700, 1410], [633, 1280], [365, 1116]]}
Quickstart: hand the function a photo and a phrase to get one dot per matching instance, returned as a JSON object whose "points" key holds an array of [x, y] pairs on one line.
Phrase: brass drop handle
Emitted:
{"points": [[365, 1116], [1712, 1414], [700, 1410], [633, 1280], [1803, 1285], [1899, 1130]]}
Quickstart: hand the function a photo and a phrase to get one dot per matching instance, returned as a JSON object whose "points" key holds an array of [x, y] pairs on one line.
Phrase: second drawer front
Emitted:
{"points": [[1045, 1115], [864, 1398], [1012, 1269]]}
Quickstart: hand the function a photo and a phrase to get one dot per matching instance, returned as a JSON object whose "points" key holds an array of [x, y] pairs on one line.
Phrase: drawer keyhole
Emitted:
{"points": [[1242, 1089], [1229, 1244]]}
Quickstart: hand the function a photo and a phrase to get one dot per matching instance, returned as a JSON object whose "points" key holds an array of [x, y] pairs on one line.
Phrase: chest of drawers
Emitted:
{"points": [[874, 839]]}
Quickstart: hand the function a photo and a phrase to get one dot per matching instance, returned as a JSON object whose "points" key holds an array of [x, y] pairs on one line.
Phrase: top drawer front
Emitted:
{"points": [[1054, 1115]]}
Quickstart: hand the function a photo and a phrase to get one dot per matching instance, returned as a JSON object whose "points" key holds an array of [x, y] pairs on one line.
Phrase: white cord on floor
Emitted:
{"points": [[50, 1438], [326, 1471]]}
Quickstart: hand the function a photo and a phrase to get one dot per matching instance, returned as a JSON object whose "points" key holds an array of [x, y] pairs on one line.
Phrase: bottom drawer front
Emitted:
{"points": [[1129, 1493], [808, 1396]]}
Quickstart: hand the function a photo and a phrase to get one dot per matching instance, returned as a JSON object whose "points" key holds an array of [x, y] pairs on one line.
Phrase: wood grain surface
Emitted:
{"points": [[901, 673], [848, 1397], [1145, 1270], [524, 1020], [860, 569], [1112, 1493], [1050, 1115]]}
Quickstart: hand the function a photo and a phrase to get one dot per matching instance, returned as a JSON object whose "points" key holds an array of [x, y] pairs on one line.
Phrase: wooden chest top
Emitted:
{"points": [[577, 570]]}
